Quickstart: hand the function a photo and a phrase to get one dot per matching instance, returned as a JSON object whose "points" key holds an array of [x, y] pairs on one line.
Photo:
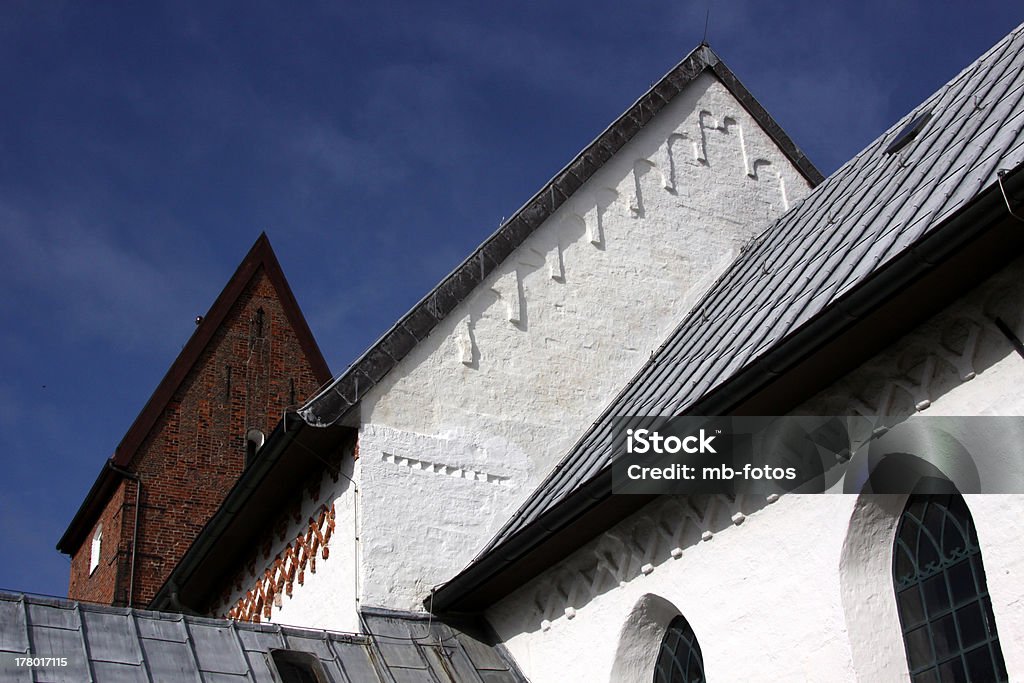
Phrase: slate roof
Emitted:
{"points": [[337, 399], [877, 207], [110, 644]]}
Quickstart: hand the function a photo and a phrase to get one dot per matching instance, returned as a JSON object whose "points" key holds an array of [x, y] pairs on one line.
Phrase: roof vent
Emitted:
{"points": [[909, 132]]}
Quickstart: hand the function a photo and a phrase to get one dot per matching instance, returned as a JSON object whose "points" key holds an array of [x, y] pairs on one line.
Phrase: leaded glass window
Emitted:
{"points": [[679, 658], [945, 611]]}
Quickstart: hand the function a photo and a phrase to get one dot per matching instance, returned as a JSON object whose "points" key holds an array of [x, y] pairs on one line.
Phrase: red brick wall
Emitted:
{"points": [[101, 584], [196, 450]]}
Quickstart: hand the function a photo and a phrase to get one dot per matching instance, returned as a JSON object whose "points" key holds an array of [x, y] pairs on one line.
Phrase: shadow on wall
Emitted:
{"points": [[662, 532], [640, 639], [869, 602], [945, 353]]}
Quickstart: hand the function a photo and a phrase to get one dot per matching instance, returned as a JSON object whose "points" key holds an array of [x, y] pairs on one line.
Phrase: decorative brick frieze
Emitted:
{"points": [[949, 350], [288, 566], [268, 553], [595, 209]]}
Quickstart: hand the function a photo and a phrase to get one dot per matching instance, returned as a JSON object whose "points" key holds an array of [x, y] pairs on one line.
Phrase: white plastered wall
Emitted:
{"points": [[477, 414], [797, 588], [326, 598]]}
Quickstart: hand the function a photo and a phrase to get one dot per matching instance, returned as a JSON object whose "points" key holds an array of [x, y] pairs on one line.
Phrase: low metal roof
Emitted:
{"points": [[875, 208], [110, 644]]}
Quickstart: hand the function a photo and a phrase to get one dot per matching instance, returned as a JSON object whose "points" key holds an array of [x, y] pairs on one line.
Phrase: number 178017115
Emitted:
{"points": [[40, 662]]}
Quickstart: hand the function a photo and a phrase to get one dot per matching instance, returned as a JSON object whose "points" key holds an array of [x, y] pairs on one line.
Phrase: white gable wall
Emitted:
{"points": [[468, 424], [798, 588]]}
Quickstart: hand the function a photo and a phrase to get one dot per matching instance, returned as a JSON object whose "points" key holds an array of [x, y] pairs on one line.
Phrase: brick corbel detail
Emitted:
{"points": [[288, 565]]}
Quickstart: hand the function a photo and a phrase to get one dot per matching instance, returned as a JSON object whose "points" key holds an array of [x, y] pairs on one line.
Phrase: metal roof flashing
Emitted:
{"points": [[102, 643]]}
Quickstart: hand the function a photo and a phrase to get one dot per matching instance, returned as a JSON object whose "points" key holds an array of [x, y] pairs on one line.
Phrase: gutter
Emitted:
{"points": [[337, 400], [90, 509], [985, 212]]}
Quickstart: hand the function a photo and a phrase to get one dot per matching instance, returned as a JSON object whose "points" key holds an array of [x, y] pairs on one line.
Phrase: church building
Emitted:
{"points": [[444, 509]]}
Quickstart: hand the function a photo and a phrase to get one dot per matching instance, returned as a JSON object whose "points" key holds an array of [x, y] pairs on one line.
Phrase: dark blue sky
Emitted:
{"points": [[144, 147]]}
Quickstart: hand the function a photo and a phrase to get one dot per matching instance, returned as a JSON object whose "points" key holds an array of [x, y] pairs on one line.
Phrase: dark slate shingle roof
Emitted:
{"points": [[869, 211], [110, 644]]}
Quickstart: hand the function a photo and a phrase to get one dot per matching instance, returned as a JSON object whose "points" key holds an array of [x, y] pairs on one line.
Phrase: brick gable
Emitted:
{"points": [[255, 361]]}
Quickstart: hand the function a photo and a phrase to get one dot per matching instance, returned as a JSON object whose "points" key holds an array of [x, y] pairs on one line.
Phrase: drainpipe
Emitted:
{"points": [[135, 527]]}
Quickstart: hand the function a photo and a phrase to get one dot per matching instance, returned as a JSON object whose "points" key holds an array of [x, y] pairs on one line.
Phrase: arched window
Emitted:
{"points": [[942, 598], [679, 658]]}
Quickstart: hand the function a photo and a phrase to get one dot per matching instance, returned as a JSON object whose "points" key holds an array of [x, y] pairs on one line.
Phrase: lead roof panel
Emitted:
{"points": [[111, 644]]}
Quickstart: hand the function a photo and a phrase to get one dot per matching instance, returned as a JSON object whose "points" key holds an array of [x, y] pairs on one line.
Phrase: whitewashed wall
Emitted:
{"points": [[327, 597], [798, 588], [468, 424]]}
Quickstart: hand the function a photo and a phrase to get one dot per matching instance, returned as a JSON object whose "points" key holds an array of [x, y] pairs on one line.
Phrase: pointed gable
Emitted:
{"points": [[260, 262], [490, 377], [251, 356], [370, 368]]}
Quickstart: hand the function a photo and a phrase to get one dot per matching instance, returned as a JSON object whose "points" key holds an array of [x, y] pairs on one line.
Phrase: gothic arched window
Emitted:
{"points": [[679, 658], [945, 611]]}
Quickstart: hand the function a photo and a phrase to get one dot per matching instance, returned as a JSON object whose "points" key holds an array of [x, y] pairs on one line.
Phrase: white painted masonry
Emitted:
{"points": [[457, 435], [326, 599], [747, 600], [797, 588]]}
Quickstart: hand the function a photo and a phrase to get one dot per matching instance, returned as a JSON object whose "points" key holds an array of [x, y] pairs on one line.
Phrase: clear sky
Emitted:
{"points": [[144, 146]]}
